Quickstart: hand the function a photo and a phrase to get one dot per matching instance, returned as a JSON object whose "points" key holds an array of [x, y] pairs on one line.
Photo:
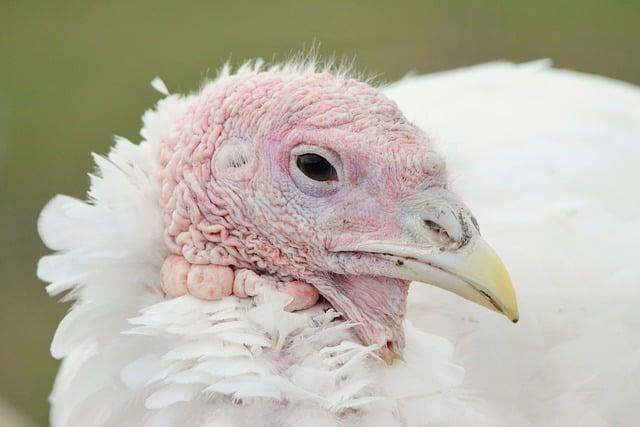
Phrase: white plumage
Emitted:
{"points": [[547, 159]]}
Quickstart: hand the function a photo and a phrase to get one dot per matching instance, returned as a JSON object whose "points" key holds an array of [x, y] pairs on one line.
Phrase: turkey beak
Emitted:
{"points": [[474, 272], [440, 245]]}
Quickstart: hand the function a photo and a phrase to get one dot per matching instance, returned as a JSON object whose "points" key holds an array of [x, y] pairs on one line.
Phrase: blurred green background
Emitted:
{"points": [[72, 73]]}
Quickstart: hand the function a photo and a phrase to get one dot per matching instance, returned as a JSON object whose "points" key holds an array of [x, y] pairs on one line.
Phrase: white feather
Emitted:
{"points": [[158, 84]]}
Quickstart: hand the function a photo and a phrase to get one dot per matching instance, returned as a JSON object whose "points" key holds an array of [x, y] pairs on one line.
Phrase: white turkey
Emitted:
{"points": [[248, 263]]}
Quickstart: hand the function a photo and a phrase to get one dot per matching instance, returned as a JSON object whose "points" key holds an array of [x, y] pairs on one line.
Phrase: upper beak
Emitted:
{"points": [[474, 272]]}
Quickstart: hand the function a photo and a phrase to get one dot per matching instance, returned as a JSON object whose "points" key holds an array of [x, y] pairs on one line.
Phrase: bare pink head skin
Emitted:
{"points": [[240, 212]]}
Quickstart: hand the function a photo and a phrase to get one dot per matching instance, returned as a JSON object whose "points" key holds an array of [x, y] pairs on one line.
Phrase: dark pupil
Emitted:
{"points": [[315, 167]]}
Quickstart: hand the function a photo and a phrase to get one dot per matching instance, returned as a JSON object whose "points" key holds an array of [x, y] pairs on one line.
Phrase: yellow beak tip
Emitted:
{"points": [[512, 315]]}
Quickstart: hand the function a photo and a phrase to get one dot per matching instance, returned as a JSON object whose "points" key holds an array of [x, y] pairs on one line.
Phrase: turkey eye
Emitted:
{"points": [[316, 167]]}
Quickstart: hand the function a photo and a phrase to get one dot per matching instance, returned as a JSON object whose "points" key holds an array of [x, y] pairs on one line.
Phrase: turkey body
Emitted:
{"points": [[547, 159]]}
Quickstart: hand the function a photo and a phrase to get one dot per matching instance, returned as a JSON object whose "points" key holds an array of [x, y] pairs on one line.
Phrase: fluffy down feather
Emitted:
{"points": [[544, 157]]}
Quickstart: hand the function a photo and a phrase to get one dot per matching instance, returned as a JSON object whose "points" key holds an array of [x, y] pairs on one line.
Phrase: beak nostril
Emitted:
{"points": [[438, 230]]}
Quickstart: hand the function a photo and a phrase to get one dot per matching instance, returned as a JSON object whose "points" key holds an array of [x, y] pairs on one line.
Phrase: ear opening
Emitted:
{"points": [[237, 159], [232, 159]]}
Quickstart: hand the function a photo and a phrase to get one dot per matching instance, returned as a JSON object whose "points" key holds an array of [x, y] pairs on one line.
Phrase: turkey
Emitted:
{"points": [[248, 262]]}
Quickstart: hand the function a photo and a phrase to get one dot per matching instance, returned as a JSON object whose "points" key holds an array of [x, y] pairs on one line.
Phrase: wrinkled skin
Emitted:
{"points": [[235, 202]]}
